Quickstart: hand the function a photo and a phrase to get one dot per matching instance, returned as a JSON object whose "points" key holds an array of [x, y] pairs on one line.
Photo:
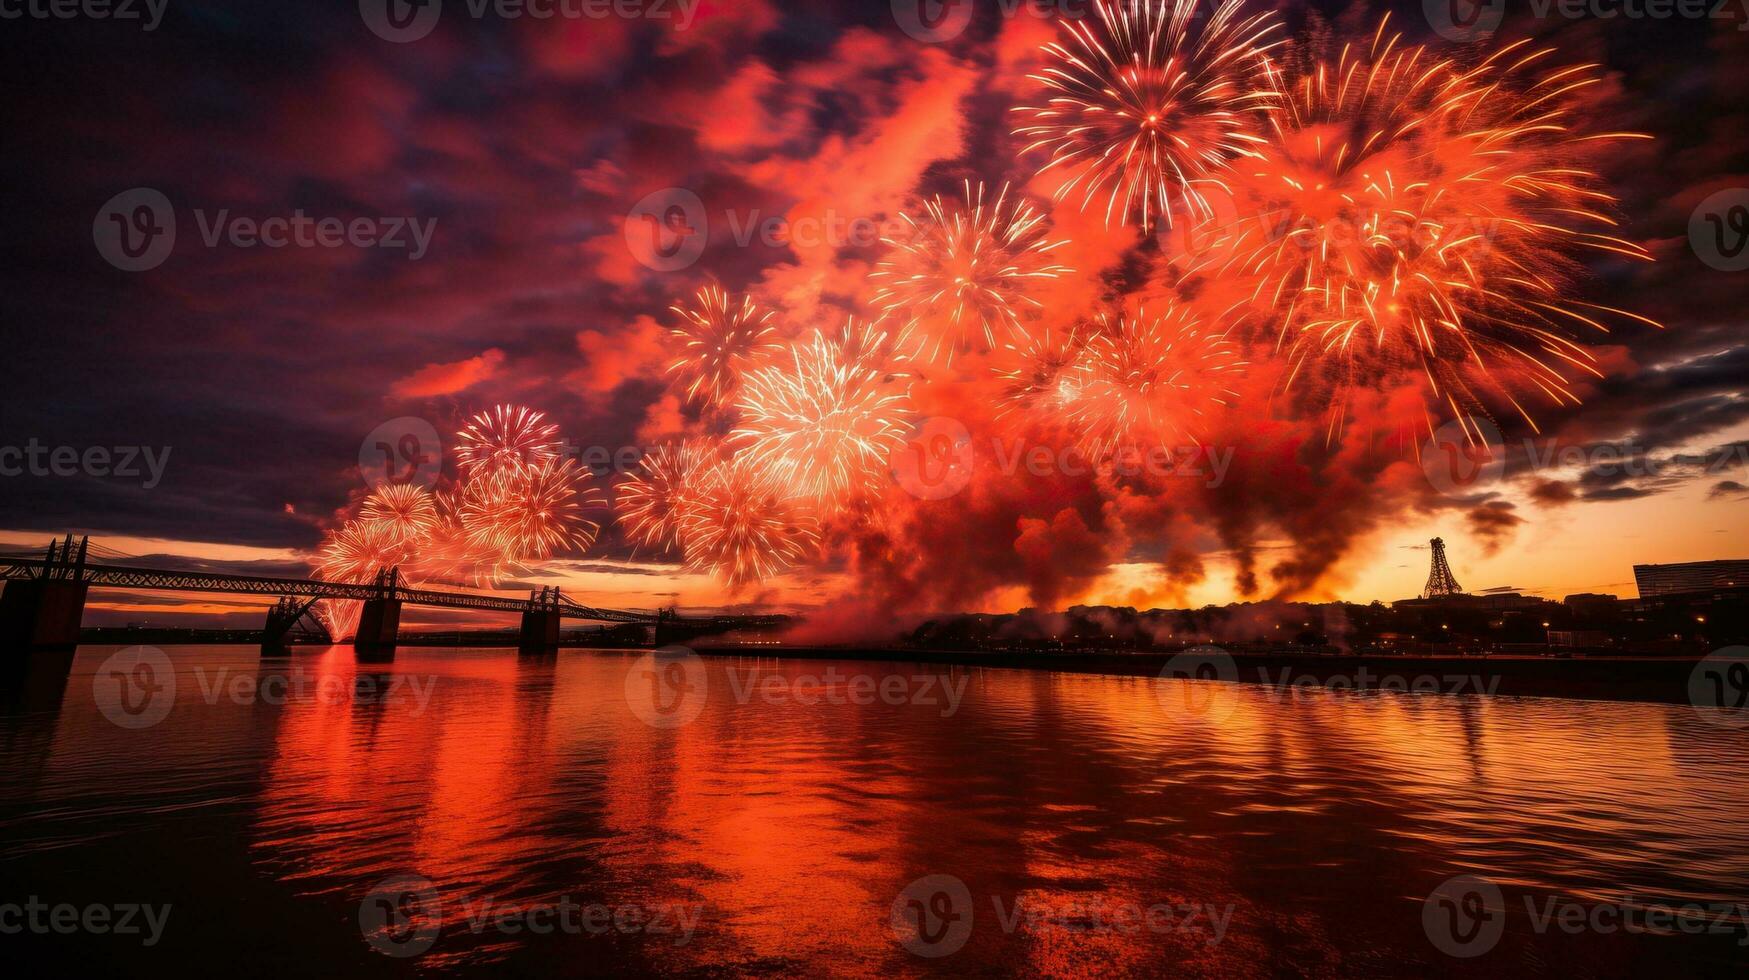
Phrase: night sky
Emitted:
{"points": [[527, 142]]}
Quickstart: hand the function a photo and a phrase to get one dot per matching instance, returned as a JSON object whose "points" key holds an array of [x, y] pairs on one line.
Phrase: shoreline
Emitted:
{"points": [[1658, 680]]}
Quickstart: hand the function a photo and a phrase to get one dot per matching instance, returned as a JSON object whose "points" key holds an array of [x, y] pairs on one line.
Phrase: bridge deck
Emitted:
{"points": [[126, 577]]}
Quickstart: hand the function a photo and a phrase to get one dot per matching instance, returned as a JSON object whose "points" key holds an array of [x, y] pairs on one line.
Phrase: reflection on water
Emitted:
{"points": [[1283, 833]]}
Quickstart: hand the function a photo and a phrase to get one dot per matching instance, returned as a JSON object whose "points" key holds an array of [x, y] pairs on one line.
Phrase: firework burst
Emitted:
{"points": [[1147, 103], [958, 280], [824, 421], [355, 552], [1421, 217], [652, 503], [358, 551], [508, 438], [521, 517], [1149, 380], [1037, 372], [719, 342], [742, 527], [405, 511]]}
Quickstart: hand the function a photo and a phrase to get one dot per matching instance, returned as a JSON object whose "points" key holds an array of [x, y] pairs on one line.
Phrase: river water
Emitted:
{"points": [[607, 812]]}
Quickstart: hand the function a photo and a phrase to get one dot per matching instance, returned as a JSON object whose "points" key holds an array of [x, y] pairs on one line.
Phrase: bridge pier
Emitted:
{"points": [[378, 624], [41, 614], [540, 631]]}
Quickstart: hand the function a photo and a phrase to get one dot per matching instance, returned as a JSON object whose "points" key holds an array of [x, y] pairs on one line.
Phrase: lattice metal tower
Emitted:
{"points": [[1440, 581]]}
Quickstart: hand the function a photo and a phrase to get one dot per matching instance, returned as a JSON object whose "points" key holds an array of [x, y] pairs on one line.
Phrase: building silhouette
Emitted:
{"points": [[1691, 576]]}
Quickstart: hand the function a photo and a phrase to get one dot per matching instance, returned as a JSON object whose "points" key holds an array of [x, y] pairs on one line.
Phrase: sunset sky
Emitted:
{"points": [[524, 145]]}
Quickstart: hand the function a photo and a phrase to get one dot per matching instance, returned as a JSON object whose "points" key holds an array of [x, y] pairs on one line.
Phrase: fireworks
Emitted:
{"points": [[1147, 379], [719, 342], [508, 438], [358, 551], [1409, 219], [404, 511], [824, 422], [959, 279], [652, 503], [741, 527], [530, 515], [1424, 217], [1040, 372], [1147, 104], [516, 503]]}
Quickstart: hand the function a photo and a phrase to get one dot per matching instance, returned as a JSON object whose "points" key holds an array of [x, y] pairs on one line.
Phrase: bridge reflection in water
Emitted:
{"points": [[1310, 825], [45, 597]]}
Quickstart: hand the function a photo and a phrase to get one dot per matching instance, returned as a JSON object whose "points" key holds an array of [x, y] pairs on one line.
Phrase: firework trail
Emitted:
{"points": [[652, 503], [958, 280], [1149, 380], [1423, 218], [507, 438], [742, 527], [823, 423], [719, 342], [1147, 103]]}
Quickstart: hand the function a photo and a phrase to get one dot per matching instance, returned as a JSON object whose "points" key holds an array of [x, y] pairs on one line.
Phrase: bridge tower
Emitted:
{"points": [[380, 621], [1440, 581], [540, 622], [42, 612]]}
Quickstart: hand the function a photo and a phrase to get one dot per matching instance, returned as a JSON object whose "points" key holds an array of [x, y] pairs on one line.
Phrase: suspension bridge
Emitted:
{"points": [[45, 594]]}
